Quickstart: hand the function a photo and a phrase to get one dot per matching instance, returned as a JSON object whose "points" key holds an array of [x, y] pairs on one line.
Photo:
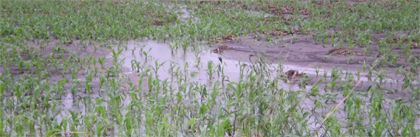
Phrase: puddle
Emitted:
{"points": [[193, 64], [152, 54]]}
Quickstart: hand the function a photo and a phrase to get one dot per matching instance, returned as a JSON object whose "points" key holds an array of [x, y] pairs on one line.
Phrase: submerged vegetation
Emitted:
{"points": [[62, 71]]}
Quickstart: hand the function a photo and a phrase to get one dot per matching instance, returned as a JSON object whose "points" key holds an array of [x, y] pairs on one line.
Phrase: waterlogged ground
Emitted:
{"points": [[209, 68]]}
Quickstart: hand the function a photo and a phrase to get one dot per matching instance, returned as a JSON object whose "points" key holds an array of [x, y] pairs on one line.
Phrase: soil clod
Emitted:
{"points": [[157, 23], [293, 74], [415, 46], [220, 49]]}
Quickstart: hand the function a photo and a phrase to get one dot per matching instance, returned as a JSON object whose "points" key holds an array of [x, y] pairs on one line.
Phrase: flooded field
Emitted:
{"points": [[209, 68]]}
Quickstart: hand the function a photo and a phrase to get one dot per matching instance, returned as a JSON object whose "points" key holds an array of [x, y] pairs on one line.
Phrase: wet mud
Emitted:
{"points": [[301, 53], [301, 56]]}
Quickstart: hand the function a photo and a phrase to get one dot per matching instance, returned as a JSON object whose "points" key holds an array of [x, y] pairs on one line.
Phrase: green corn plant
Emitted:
{"points": [[210, 69]]}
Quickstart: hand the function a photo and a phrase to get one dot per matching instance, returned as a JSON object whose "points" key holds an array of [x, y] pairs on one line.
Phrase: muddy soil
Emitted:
{"points": [[300, 55], [300, 52]]}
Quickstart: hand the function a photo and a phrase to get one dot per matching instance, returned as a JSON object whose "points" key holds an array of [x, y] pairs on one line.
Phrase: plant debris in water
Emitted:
{"points": [[343, 52]]}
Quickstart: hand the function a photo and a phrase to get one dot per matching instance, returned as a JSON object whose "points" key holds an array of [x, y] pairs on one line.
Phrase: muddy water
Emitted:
{"points": [[194, 64]]}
